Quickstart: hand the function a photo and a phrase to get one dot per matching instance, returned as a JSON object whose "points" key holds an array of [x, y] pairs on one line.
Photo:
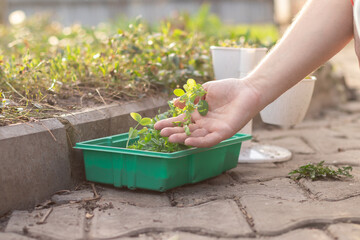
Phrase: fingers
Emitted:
{"points": [[208, 140], [168, 131], [168, 122], [181, 136]]}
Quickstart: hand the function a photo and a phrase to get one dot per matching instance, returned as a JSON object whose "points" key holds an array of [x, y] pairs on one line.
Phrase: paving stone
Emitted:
{"points": [[351, 130], [204, 192], [334, 190], [292, 214], [64, 222], [14, 236], [299, 234], [218, 217], [322, 140], [299, 160], [294, 144], [221, 180], [264, 134], [134, 197], [351, 158], [257, 172], [170, 236], [345, 231], [327, 141], [351, 107], [72, 196], [317, 123]]}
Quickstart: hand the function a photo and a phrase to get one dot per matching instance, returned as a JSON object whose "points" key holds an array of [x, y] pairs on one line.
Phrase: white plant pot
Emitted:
{"points": [[291, 107], [235, 62]]}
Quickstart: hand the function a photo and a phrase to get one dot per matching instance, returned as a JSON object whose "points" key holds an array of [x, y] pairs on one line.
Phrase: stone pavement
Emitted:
{"points": [[254, 201]]}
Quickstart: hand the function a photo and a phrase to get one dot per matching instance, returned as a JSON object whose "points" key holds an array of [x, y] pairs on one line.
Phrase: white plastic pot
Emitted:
{"points": [[235, 62], [291, 107]]}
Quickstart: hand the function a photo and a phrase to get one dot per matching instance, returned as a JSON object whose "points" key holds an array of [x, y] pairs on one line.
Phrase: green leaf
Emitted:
{"points": [[179, 92], [191, 83], [145, 121], [103, 70], [142, 130], [187, 130], [147, 138], [136, 116], [133, 133], [203, 107]]}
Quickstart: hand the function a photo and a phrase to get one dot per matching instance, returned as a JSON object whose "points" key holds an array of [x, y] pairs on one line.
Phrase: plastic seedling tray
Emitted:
{"points": [[108, 161]]}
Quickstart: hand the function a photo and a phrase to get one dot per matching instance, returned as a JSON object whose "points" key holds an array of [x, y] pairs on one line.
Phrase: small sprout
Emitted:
{"points": [[203, 107], [319, 171]]}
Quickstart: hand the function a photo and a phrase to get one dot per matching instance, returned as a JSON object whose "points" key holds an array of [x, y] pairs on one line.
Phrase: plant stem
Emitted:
{"points": [[130, 134]]}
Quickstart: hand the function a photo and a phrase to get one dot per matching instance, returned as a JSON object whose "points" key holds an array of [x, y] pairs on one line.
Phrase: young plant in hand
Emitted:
{"points": [[191, 98], [150, 139]]}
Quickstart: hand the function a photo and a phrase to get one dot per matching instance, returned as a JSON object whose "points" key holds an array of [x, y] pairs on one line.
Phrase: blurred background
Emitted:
{"points": [[92, 12]]}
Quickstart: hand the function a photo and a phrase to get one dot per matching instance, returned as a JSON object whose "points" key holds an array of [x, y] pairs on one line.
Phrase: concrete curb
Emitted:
{"points": [[38, 159]]}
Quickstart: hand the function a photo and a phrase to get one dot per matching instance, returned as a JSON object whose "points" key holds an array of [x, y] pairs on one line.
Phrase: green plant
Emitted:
{"points": [[191, 98], [150, 138], [319, 171]]}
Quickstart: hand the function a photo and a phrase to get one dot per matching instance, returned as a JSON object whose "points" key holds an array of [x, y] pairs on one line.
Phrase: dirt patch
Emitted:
{"points": [[67, 101]]}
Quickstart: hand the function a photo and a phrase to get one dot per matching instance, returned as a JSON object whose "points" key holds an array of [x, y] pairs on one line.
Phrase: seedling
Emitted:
{"points": [[150, 138], [319, 171], [192, 94]]}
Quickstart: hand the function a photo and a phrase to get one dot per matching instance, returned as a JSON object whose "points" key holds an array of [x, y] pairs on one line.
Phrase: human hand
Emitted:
{"points": [[232, 103]]}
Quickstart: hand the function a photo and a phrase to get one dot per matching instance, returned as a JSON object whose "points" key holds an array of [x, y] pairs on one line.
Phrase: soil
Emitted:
{"points": [[65, 102]]}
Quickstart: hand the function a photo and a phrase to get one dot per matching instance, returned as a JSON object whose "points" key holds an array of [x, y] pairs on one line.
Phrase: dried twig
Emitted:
{"points": [[94, 190], [43, 219], [96, 195], [62, 192], [12, 88], [102, 99], [48, 131], [81, 100]]}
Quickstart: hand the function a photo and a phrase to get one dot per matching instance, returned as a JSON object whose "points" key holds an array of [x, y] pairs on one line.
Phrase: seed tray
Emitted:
{"points": [[108, 161]]}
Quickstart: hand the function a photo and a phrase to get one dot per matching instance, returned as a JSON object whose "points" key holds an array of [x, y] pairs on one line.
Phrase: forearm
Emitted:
{"points": [[322, 29]]}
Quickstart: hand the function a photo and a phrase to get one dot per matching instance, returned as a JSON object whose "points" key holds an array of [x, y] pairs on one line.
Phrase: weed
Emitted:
{"points": [[319, 171]]}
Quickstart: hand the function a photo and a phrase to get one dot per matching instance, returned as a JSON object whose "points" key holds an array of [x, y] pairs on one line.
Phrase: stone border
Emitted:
{"points": [[37, 159]]}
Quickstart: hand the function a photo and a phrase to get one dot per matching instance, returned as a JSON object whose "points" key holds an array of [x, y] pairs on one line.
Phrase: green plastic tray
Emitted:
{"points": [[108, 161]]}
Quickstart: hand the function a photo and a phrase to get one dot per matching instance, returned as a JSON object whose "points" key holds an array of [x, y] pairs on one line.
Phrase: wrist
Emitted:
{"points": [[258, 93]]}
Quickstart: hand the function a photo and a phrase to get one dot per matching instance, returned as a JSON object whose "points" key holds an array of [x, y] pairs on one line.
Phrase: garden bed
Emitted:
{"points": [[48, 70]]}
